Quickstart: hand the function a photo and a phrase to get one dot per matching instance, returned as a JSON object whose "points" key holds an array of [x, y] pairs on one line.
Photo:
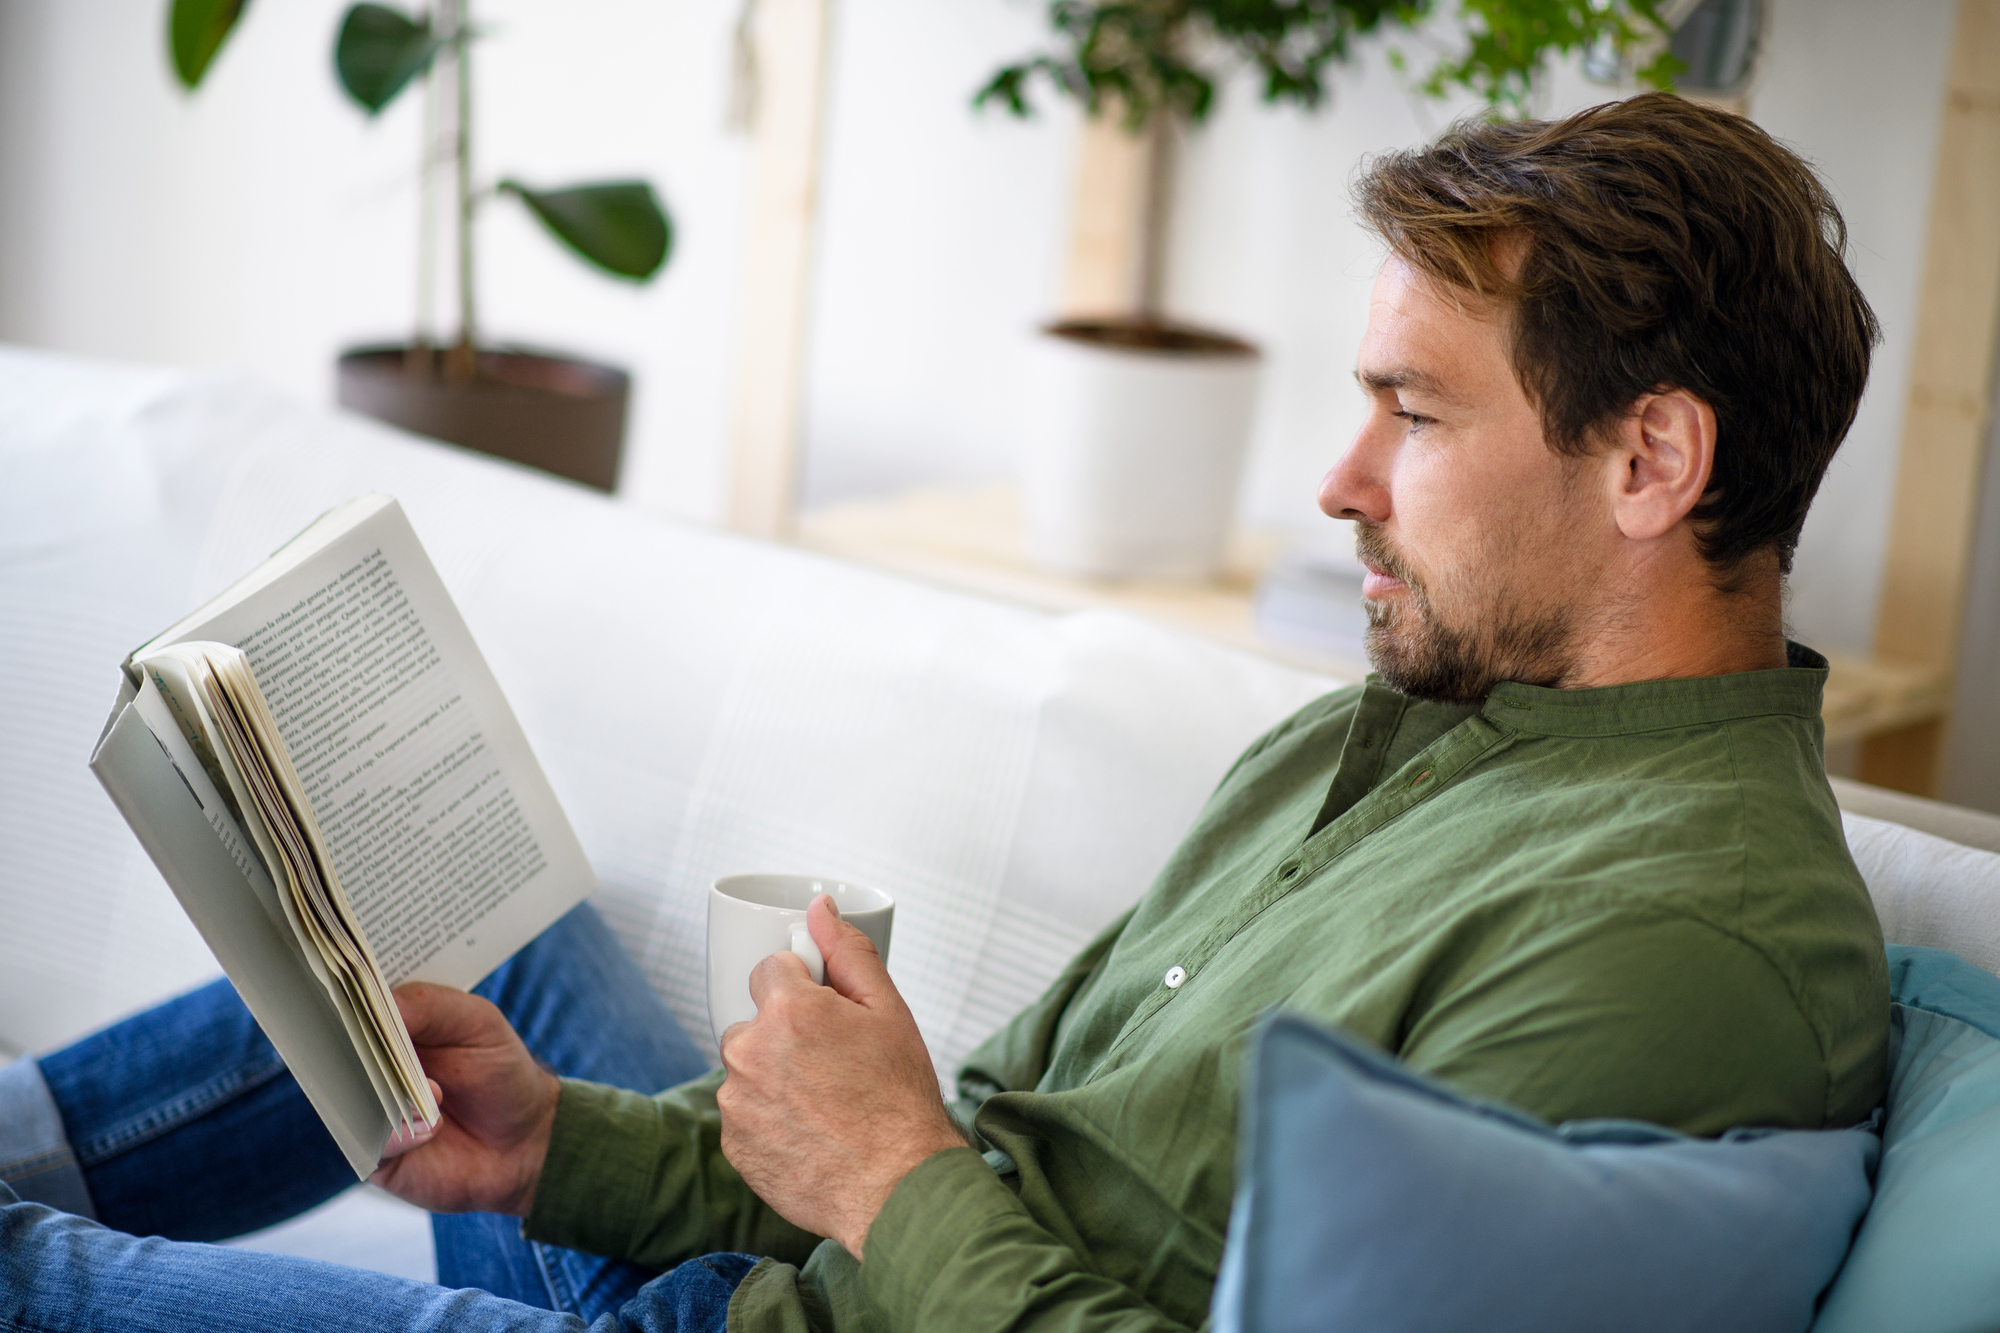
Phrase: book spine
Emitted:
{"points": [[158, 803]]}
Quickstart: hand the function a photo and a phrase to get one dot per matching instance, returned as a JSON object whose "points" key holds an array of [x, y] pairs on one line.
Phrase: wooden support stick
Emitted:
{"points": [[1946, 420], [790, 43]]}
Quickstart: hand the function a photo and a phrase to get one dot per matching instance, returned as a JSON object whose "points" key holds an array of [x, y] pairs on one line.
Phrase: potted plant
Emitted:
{"points": [[1137, 422], [554, 412]]}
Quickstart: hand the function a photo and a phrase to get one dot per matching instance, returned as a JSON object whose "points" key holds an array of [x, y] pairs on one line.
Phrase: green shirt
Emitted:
{"points": [[1633, 901]]}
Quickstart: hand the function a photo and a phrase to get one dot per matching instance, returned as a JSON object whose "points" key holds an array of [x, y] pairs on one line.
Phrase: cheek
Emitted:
{"points": [[1441, 506], [1465, 523], [1481, 494]]}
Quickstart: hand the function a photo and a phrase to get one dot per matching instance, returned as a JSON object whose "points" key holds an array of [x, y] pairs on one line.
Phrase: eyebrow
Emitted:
{"points": [[1403, 377]]}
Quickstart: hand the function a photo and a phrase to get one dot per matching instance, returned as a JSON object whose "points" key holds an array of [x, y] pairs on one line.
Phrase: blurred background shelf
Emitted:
{"points": [[971, 538], [1865, 697]]}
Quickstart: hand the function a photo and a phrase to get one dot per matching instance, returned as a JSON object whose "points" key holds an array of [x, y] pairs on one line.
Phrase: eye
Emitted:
{"points": [[1417, 422]]}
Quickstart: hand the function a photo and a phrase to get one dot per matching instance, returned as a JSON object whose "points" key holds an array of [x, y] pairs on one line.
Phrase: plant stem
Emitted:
{"points": [[1156, 215], [417, 360], [462, 362]]}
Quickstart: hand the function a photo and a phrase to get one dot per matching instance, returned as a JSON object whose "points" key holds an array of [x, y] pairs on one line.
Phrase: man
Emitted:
{"points": [[1572, 847]]}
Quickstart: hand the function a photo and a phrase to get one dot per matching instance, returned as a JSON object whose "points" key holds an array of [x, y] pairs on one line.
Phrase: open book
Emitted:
{"points": [[326, 773]]}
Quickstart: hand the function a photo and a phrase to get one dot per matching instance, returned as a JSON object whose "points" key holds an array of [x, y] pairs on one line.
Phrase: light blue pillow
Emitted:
{"points": [[1376, 1199], [1927, 1259]]}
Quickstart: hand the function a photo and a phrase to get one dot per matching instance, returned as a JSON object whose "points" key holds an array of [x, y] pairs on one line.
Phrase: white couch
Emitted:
{"points": [[703, 704]]}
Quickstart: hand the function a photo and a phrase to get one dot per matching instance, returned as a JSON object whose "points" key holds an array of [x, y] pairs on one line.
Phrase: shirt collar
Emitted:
{"points": [[1792, 690]]}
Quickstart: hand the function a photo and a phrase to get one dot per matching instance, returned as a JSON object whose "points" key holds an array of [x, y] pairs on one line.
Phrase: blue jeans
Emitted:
{"points": [[181, 1125]]}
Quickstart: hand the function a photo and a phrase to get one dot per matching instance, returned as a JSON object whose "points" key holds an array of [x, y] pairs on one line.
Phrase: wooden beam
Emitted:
{"points": [[1949, 409], [789, 41]]}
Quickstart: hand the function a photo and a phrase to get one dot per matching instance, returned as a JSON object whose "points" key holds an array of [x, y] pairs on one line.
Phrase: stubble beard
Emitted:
{"points": [[1418, 652]]}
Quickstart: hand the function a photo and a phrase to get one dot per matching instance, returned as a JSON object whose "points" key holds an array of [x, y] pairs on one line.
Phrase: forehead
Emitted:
{"points": [[1424, 335]]}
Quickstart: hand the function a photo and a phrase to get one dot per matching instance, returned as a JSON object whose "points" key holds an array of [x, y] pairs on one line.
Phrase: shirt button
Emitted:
{"points": [[1175, 976]]}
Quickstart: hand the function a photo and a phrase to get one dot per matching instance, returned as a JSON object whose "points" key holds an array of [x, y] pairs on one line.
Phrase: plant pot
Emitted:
{"points": [[550, 412], [1135, 440]]}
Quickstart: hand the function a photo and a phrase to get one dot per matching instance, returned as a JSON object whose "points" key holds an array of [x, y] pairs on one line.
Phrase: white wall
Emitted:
{"points": [[940, 247], [264, 223]]}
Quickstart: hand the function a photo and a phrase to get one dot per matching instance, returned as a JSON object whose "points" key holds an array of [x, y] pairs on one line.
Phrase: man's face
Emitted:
{"points": [[1483, 545]]}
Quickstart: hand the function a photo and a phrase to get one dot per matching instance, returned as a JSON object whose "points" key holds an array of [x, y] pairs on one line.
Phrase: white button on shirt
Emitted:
{"points": [[1175, 976]]}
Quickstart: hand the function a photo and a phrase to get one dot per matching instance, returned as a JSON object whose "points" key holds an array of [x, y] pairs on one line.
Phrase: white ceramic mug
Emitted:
{"points": [[751, 917]]}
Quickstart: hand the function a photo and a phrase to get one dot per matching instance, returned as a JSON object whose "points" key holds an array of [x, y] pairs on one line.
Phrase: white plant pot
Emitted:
{"points": [[1132, 456]]}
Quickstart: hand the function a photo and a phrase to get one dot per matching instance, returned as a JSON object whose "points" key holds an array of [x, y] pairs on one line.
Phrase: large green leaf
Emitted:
{"points": [[196, 30], [379, 51], [617, 225]]}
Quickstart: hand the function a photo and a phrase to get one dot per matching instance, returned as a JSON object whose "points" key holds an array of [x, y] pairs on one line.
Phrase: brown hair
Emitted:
{"points": [[1669, 245]]}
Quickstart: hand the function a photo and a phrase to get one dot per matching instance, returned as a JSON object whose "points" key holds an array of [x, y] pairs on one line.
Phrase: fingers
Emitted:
{"points": [[854, 969], [780, 971], [406, 1139], [441, 1016], [853, 966]]}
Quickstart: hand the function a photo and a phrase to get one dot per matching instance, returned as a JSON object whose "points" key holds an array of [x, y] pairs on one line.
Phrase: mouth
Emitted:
{"points": [[1380, 583], [1385, 577]]}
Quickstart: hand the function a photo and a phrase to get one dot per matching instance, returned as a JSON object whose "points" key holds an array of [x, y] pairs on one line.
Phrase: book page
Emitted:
{"points": [[208, 691], [441, 827]]}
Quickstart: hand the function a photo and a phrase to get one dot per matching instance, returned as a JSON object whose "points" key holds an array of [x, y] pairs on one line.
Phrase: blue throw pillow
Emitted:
{"points": [[1376, 1199], [1927, 1259]]}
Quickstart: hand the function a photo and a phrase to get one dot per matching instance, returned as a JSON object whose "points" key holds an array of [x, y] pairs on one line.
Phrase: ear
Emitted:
{"points": [[1661, 463]]}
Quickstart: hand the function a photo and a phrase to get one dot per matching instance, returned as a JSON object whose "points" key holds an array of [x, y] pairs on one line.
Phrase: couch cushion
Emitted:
{"points": [[1379, 1200], [99, 535], [1927, 1258], [1929, 891]]}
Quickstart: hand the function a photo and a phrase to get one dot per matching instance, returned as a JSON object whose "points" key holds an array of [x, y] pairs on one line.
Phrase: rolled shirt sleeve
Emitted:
{"points": [[643, 1179], [955, 1248]]}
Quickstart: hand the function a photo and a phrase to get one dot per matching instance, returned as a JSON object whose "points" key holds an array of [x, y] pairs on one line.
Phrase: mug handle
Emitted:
{"points": [[803, 946]]}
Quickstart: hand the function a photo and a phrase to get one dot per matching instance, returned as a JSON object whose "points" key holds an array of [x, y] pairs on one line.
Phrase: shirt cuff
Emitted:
{"points": [[593, 1186], [935, 1211]]}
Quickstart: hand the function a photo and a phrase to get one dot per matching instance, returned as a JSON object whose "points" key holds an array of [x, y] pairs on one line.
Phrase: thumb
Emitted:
{"points": [[440, 1016], [854, 967]]}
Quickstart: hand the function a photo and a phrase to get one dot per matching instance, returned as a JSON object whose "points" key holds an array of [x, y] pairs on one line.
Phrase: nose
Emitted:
{"points": [[1357, 485]]}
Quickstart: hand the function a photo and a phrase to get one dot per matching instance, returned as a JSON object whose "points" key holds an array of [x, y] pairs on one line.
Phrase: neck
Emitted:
{"points": [[1667, 619]]}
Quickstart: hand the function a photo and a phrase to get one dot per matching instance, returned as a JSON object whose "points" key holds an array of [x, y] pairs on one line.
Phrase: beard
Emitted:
{"points": [[1501, 637]]}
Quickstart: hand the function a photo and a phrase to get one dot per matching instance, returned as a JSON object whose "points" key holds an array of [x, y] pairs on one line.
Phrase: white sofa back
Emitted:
{"points": [[702, 704], [1928, 890]]}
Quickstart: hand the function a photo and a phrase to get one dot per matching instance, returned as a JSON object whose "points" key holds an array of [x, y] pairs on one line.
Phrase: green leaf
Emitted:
{"points": [[1155, 56], [379, 51], [1511, 42], [196, 30], [617, 225]]}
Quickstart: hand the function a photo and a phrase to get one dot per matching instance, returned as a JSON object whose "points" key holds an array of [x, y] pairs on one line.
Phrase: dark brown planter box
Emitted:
{"points": [[551, 412]]}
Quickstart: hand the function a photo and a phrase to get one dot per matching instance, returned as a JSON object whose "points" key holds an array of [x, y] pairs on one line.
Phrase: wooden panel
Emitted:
{"points": [[1871, 698], [1904, 759], [1946, 420], [789, 41]]}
